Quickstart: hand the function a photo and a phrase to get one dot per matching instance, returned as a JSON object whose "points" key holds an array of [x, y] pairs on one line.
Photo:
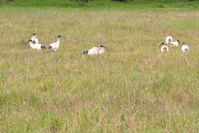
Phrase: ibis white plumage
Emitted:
{"points": [[164, 47], [34, 38], [95, 50], [168, 40], [175, 43], [54, 46], [185, 47], [36, 46]]}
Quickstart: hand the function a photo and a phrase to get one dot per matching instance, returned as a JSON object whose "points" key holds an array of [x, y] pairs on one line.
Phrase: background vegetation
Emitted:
{"points": [[104, 3]]}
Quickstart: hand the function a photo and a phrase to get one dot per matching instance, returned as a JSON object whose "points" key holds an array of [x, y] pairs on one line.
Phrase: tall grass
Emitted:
{"points": [[131, 88]]}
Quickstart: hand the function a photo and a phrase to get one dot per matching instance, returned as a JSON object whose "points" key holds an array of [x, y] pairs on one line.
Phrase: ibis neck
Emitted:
{"points": [[58, 40]]}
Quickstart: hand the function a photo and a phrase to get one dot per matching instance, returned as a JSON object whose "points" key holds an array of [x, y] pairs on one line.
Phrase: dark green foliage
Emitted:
{"points": [[80, 0], [7, 0], [121, 0], [102, 3]]}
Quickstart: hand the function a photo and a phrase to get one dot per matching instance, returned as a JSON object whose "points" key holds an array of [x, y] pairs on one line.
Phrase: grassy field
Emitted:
{"points": [[131, 88]]}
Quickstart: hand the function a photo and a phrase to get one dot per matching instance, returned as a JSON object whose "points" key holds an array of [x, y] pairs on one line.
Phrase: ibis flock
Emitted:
{"points": [[164, 46], [34, 44]]}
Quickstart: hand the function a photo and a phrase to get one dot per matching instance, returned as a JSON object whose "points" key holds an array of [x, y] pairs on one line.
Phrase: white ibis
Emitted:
{"points": [[37, 46], [34, 38], [168, 40], [164, 47], [175, 43], [185, 47], [54, 46], [95, 50]]}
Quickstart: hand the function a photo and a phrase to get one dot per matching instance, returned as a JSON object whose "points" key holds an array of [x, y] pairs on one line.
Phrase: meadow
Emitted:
{"points": [[133, 87]]}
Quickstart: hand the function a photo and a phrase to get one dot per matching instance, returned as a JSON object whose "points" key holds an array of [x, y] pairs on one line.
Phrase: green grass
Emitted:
{"points": [[131, 88], [103, 4]]}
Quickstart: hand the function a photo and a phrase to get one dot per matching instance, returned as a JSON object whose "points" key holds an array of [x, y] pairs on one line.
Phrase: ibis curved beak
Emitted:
{"points": [[106, 48], [27, 41]]}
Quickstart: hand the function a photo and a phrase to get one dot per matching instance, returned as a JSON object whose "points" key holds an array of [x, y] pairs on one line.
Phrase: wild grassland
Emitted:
{"points": [[131, 88]]}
